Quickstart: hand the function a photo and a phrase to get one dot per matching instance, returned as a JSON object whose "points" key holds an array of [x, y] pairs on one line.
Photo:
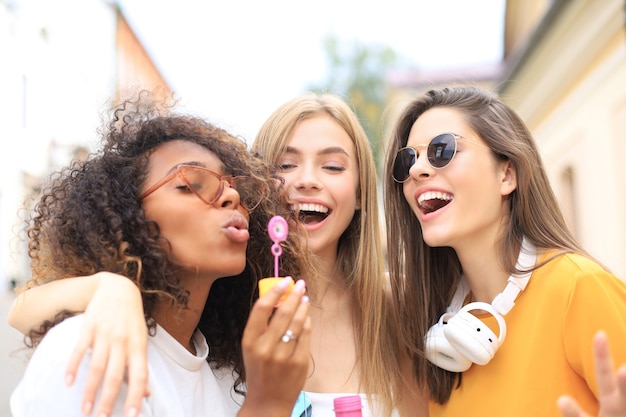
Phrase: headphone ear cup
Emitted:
{"points": [[440, 352], [473, 338]]}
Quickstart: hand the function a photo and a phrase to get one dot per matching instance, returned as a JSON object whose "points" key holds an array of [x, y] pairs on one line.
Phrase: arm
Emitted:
{"points": [[276, 368], [611, 385], [114, 328], [32, 307]]}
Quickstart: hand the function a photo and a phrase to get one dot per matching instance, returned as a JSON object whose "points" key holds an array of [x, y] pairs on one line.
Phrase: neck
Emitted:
{"points": [[479, 277], [182, 322], [483, 271]]}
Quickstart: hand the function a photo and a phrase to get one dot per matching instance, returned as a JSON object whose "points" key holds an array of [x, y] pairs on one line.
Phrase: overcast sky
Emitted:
{"points": [[236, 61]]}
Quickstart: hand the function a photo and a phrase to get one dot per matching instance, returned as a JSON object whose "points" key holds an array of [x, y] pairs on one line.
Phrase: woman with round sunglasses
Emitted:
{"points": [[165, 209], [500, 303]]}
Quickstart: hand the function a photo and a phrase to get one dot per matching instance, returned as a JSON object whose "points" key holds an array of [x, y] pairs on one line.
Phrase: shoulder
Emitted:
{"points": [[581, 289], [51, 356], [55, 348], [572, 282], [62, 334], [570, 261], [571, 269], [41, 390]]}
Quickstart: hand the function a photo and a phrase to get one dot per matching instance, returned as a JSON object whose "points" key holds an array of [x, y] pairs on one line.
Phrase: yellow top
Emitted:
{"points": [[548, 348]]}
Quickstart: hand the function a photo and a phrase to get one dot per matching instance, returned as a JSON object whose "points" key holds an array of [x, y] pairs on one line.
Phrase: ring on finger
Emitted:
{"points": [[288, 336]]}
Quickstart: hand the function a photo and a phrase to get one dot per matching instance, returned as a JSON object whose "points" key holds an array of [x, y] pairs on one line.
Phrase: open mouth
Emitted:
{"points": [[432, 201], [309, 213]]}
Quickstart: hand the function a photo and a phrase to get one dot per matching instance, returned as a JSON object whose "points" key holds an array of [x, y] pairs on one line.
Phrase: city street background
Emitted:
{"points": [[559, 64]]}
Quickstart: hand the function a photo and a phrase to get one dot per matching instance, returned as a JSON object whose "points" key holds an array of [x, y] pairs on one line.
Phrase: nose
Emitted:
{"points": [[421, 168], [307, 179], [230, 197]]}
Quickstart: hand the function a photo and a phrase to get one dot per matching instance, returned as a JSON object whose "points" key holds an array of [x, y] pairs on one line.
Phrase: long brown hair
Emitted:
{"points": [[424, 278]]}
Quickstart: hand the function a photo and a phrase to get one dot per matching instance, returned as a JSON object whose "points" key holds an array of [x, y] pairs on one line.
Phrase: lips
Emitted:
{"points": [[237, 229]]}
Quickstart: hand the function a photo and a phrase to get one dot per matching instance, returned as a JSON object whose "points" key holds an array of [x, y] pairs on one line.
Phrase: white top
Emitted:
{"points": [[181, 384], [322, 404]]}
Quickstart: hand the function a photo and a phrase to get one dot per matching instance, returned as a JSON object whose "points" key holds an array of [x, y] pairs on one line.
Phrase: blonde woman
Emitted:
{"points": [[322, 153]]}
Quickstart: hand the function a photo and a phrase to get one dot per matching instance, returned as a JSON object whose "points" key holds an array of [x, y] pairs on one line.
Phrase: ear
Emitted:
{"points": [[508, 178]]}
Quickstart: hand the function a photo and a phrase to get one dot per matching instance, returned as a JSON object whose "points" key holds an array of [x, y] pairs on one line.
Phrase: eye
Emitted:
{"points": [[193, 185], [183, 187], [286, 164], [334, 168]]}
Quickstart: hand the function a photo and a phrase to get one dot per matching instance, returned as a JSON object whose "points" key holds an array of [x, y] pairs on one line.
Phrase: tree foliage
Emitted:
{"points": [[356, 71]]}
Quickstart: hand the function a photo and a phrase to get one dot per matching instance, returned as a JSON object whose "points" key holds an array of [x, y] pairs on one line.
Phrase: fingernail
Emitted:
{"points": [[300, 285], [103, 415], [87, 408], [285, 282], [132, 412], [69, 379]]}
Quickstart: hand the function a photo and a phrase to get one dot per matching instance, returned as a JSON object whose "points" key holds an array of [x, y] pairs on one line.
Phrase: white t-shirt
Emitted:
{"points": [[181, 384]]}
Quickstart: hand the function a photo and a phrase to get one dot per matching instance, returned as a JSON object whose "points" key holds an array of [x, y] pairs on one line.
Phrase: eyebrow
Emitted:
{"points": [[194, 164], [325, 151], [175, 167]]}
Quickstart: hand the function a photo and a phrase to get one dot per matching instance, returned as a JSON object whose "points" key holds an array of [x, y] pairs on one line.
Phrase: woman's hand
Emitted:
{"points": [[611, 386], [276, 351], [115, 330]]}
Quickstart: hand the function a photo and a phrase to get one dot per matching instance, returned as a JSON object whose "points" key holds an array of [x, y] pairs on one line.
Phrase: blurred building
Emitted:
{"points": [[64, 64], [566, 77], [564, 72]]}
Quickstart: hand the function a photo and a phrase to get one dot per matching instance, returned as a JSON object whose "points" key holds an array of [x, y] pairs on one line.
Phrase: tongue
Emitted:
{"points": [[312, 218], [433, 205]]}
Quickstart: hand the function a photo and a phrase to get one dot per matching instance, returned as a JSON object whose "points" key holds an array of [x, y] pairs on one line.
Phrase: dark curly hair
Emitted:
{"points": [[89, 218]]}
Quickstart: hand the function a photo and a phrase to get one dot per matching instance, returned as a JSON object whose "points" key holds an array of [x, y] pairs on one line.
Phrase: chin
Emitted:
{"points": [[228, 267], [238, 267], [435, 240]]}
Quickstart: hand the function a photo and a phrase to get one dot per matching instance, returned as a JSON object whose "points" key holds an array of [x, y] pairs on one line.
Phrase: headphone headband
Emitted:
{"points": [[460, 338]]}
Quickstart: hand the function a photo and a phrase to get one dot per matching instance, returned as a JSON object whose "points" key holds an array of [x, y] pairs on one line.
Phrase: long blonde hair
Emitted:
{"points": [[359, 254]]}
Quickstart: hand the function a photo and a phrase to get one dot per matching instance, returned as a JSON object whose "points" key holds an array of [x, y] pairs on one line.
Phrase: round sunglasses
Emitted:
{"points": [[209, 186], [440, 151]]}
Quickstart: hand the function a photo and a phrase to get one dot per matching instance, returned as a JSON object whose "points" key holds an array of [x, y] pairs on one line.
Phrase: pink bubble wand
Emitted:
{"points": [[277, 229]]}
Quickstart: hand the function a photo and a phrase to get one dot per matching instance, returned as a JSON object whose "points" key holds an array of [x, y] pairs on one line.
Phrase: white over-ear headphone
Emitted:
{"points": [[459, 338]]}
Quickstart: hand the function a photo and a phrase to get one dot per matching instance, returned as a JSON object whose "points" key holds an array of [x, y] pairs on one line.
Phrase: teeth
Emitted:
{"points": [[310, 207], [433, 195]]}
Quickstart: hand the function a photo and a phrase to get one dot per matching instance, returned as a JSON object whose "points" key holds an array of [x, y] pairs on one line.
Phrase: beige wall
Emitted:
{"points": [[571, 90]]}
